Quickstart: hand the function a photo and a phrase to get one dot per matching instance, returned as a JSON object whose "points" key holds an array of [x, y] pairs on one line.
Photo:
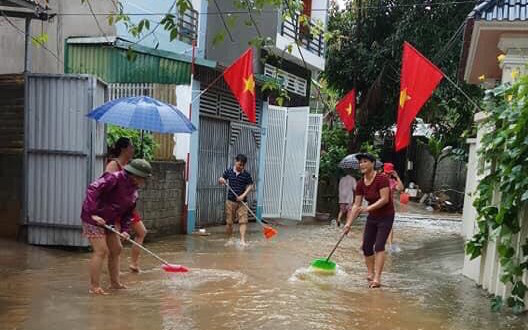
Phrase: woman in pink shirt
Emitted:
{"points": [[109, 199]]}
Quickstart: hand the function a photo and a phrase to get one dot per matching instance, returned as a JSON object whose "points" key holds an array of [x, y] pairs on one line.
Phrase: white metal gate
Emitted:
{"points": [[63, 153], [287, 194], [273, 172], [294, 163], [313, 153]]}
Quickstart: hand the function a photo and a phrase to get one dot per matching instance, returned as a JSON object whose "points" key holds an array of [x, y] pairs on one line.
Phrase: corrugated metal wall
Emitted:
{"points": [[112, 65], [61, 149], [162, 92]]}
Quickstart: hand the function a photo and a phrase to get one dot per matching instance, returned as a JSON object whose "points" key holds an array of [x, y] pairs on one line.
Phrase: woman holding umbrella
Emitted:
{"points": [[120, 155], [375, 188]]}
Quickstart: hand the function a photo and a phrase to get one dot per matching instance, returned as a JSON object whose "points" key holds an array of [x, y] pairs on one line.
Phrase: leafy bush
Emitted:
{"points": [[504, 151], [149, 145], [333, 149]]}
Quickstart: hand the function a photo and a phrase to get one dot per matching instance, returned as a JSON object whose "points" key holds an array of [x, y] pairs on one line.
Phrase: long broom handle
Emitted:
{"points": [[136, 244], [335, 247], [247, 207]]}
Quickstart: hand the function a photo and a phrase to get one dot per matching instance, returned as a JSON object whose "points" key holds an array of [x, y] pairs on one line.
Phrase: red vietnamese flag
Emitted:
{"points": [[239, 76], [419, 78], [347, 110]]}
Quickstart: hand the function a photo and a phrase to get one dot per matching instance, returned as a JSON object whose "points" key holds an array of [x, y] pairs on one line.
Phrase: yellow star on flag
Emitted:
{"points": [[349, 109], [404, 97], [249, 85], [515, 74]]}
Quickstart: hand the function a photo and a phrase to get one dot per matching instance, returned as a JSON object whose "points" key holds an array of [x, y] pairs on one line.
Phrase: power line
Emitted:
{"points": [[223, 21], [96, 21], [32, 38], [157, 26], [233, 12]]}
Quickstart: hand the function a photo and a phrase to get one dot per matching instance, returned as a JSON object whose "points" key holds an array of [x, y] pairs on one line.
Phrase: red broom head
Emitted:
{"points": [[170, 268], [269, 232]]}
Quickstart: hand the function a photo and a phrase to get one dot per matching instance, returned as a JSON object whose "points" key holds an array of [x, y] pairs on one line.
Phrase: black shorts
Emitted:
{"points": [[375, 236]]}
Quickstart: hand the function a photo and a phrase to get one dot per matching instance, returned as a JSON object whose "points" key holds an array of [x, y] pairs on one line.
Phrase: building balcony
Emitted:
{"points": [[188, 26], [312, 45]]}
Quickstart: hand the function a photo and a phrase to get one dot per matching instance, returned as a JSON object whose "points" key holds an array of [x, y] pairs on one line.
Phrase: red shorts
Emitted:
{"points": [[135, 219]]}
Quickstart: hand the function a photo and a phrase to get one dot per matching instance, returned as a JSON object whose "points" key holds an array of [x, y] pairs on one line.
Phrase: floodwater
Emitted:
{"points": [[266, 285]]}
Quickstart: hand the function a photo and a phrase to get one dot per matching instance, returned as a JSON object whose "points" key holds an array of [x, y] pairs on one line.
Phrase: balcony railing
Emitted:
{"points": [[188, 25], [292, 27]]}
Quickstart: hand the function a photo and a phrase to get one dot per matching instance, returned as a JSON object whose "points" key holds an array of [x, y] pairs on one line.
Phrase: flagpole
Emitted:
{"points": [[462, 91], [207, 88]]}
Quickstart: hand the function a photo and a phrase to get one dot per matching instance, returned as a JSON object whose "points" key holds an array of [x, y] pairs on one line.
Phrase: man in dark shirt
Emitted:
{"points": [[241, 183]]}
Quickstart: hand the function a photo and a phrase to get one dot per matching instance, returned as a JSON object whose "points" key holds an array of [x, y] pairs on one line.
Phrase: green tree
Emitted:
{"points": [[365, 53]]}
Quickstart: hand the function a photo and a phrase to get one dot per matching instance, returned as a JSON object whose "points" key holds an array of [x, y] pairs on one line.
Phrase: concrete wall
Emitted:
{"points": [[161, 201], [229, 50], [450, 173], [58, 29], [162, 37]]}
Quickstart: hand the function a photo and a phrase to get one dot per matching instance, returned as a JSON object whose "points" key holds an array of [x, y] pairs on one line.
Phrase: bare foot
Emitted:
{"points": [[376, 283], [118, 286], [98, 290], [134, 269]]}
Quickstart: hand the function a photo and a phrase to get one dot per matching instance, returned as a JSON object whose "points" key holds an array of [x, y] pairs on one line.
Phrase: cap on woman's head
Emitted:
{"points": [[366, 156], [139, 167]]}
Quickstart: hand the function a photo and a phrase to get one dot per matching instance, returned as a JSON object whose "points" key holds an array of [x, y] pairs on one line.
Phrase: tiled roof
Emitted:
{"points": [[501, 10]]}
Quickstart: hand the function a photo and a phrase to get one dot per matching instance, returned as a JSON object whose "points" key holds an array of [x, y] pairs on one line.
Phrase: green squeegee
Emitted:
{"points": [[325, 265]]}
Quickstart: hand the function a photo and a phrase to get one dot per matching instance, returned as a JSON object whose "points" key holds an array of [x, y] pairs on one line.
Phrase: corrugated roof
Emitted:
{"points": [[501, 10], [122, 43], [106, 58]]}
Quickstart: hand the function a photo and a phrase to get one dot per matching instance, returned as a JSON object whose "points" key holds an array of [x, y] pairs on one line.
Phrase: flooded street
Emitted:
{"points": [[266, 285]]}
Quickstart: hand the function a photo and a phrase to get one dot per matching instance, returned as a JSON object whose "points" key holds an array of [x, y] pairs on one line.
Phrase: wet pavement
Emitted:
{"points": [[266, 285]]}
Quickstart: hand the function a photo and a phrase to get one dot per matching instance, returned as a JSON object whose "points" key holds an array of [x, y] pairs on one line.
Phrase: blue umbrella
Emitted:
{"points": [[144, 113]]}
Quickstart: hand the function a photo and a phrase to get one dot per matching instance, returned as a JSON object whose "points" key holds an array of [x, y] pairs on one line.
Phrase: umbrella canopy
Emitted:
{"points": [[144, 113], [351, 162]]}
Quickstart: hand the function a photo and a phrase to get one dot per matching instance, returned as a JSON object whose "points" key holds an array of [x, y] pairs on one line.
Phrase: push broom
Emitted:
{"points": [[267, 230], [326, 265], [169, 268]]}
